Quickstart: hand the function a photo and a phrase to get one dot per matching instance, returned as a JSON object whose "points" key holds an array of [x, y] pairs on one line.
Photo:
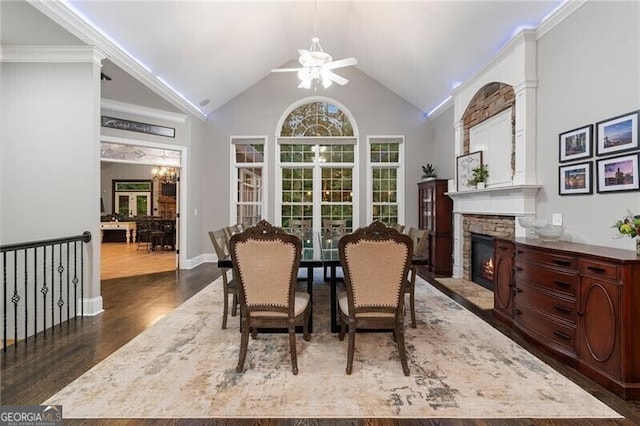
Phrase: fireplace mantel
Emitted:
{"points": [[512, 200], [509, 200]]}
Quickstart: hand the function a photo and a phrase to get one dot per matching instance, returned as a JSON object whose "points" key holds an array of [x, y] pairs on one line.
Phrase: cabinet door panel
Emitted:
{"points": [[503, 283], [600, 338]]}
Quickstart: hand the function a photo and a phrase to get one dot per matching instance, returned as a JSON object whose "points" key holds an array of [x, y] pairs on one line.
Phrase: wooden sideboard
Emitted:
{"points": [[578, 302]]}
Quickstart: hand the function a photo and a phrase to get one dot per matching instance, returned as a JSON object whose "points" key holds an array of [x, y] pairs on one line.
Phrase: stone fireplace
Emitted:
{"points": [[482, 260], [482, 229]]}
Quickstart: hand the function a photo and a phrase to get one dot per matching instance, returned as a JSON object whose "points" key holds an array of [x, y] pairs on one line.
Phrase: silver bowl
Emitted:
{"points": [[550, 232]]}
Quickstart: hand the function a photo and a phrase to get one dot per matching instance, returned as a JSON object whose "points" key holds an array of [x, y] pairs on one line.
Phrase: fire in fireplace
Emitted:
{"points": [[482, 260]]}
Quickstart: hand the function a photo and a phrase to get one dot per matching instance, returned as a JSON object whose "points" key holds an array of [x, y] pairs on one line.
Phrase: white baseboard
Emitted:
{"points": [[199, 260], [92, 307]]}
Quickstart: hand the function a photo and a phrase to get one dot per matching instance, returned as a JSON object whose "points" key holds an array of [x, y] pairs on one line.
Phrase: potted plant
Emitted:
{"points": [[479, 176], [429, 171]]}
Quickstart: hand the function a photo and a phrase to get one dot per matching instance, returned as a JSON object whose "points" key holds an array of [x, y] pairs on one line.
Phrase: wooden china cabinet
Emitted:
{"points": [[435, 214]]}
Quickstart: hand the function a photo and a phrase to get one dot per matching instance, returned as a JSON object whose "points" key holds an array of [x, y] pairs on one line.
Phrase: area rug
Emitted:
{"points": [[474, 293], [184, 366]]}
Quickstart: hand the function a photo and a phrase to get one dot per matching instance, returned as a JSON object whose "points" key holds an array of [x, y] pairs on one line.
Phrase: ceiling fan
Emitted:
{"points": [[317, 66]]}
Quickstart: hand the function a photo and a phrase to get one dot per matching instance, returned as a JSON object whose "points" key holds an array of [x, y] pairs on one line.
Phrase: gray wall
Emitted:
{"points": [[442, 137], [588, 70], [49, 175], [376, 110]]}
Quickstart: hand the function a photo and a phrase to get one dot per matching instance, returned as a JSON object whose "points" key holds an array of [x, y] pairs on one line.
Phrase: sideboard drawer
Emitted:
{"points": [[555, 331], [563, 308], [561, 281], [548, 258], [599, 268]]}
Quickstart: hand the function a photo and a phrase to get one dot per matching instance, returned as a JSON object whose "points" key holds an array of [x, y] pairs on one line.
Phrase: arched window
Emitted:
{"points": [[316, 164]]}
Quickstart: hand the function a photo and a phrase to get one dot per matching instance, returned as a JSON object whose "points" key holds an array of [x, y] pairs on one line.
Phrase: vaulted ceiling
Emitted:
{"points": [[214, 50]]}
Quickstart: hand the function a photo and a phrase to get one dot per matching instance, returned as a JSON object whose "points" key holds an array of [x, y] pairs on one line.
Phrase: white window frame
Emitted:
{"points": [[235, 166], [317, 175], [400, 201]]}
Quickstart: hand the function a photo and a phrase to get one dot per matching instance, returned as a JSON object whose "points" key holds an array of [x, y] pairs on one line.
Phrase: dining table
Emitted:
{"points": [[320, 249]]}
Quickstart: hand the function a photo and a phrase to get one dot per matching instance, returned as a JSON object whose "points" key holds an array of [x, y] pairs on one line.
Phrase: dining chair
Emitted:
{"points": [[143, 233], [398, 227], [229, 285], [420, 239], [265, 261], [156, 234], [299, 226], [333, 227], [231, 230], [375, 260]]}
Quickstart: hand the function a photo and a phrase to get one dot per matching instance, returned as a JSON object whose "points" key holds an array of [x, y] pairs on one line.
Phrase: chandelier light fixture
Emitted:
{"points": [[165, 174]]}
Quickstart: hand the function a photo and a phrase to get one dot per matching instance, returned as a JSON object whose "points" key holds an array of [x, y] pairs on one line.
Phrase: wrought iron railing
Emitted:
{"points": [[42, 285]]}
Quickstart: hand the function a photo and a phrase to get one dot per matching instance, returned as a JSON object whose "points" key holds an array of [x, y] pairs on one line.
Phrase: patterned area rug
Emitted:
{"points": [[184, 366]]}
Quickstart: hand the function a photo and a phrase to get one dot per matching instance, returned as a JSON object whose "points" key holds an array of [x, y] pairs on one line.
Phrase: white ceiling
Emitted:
{"points": [[217, 49]]}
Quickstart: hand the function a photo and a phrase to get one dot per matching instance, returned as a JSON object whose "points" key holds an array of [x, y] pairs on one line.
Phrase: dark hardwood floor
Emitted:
{"points": [[32, 373]]}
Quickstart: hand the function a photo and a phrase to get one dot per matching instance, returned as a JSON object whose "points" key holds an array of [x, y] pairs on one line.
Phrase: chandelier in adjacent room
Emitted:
{"points": [[165, 174]]}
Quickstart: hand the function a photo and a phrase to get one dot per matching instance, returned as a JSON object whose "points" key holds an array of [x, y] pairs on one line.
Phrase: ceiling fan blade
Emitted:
{"points": [[334, 77], [346, 62], [286, 69]]}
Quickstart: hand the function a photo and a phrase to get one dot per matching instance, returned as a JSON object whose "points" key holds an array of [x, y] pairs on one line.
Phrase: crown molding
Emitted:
{"points": [[558, 15], [127, 108], [52, 54], [64, 16], [446, 104]]}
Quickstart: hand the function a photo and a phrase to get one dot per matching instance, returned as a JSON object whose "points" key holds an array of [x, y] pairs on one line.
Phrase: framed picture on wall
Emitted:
{"points": [[617, 134], [575, 179], [576, 144], [618, 173], [464, 165]]}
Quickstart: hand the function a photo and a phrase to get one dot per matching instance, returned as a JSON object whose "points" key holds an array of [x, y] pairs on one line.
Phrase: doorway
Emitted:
{"points": [[125, 199], [133, 204]]}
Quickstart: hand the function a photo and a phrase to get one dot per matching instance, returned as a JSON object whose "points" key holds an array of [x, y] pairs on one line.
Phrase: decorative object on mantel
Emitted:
{"points": [[630, 226], [429, 171], [479, 175], [464, 165], [165, 174]]}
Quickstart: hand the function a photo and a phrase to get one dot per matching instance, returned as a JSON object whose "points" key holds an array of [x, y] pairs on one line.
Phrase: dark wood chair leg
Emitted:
{"points": [[225, 293], [305, 325], [351, 347], [292, 348], [412, 303], [244, 343], [399, 333], [235, 305]]}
